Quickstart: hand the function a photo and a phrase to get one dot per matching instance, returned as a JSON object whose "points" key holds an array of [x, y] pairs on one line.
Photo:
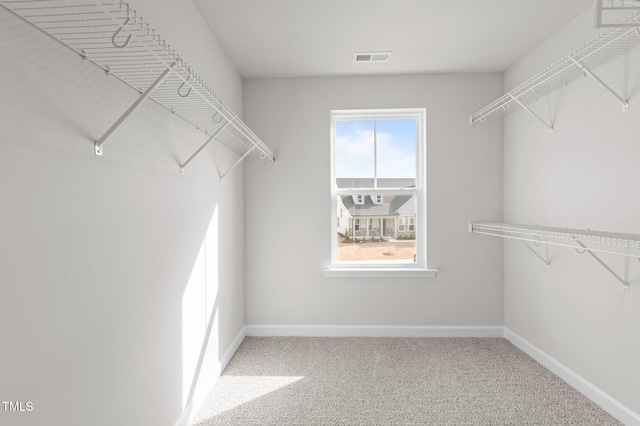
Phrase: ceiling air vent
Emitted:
{"points": [[371, 56]]}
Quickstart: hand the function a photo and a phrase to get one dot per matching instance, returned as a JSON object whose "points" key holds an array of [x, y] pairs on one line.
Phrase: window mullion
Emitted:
{"points": [[375, 155]]}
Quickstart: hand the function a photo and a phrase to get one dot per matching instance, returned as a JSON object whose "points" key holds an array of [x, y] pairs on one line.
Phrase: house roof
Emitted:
{"points": [[389, 207]]}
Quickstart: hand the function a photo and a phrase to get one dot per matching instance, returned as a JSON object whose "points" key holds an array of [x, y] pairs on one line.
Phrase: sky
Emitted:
{"points": [[396, 143]]}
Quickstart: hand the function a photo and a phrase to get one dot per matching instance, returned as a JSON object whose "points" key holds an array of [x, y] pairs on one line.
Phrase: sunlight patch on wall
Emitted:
{"points": [[200, 314]]}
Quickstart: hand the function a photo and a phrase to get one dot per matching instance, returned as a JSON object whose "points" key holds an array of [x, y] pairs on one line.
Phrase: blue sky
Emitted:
{"points": [[396, 140]]}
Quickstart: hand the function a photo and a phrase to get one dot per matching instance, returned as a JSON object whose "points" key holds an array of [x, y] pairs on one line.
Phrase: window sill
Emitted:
{"points": [[379, 273]]}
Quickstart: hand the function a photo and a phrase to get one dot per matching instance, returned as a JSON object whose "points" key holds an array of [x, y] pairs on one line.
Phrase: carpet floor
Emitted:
{"points": [[391, 381]]}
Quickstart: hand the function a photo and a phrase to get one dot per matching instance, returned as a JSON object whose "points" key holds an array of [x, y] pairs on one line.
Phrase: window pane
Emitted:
{"points": [[396, 149], [375, 153], [354, 150], [375, 233]]}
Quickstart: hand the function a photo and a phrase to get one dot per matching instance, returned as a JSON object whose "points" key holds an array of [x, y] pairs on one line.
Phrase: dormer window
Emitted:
{"points": [[358, 199], [377, 199]]}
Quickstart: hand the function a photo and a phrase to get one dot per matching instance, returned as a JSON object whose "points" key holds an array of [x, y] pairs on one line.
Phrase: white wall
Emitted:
{"points": [[111, 268], [287, 206], [584, 176]]}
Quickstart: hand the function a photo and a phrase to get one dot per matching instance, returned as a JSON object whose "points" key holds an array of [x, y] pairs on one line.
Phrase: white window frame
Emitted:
{"points": [[362, 269]]}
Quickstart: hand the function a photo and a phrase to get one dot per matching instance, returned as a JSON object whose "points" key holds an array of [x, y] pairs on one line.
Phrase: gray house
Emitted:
{"points": [[380, 216], [370, 216]]}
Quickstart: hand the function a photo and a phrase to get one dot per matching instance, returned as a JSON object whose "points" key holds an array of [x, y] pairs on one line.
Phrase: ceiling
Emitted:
{"points": [[298, 38]]}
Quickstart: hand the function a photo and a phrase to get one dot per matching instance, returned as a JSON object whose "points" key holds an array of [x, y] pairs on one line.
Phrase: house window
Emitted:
{"points": [[378, 175]]}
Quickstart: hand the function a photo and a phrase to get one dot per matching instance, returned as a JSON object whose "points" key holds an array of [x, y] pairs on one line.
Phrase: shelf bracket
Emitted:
{"points": [[132, 108], [579, 65], [249, 151], [217, 132], [533, 114], [625, 285], [545, 261]]}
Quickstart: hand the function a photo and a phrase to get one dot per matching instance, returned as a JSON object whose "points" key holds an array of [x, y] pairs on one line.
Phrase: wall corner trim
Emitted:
{"points": [[198, 399], [260, 330], [611, 405]]}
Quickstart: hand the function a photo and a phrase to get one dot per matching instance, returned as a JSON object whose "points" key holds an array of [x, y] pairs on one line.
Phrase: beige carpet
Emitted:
{"points": [[391, 381]]}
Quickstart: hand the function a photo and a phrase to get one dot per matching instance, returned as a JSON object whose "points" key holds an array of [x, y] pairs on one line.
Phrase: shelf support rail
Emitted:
{"points": [[625, 284], [132, 108], [579, 65], [533, 114]]}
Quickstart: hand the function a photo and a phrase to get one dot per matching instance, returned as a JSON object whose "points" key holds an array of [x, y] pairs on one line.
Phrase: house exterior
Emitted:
{"points": [[370, 217], [367, 216]]}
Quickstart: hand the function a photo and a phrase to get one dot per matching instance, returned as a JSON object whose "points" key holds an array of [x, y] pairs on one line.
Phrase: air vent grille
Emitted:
{"points": [[371, 56]]}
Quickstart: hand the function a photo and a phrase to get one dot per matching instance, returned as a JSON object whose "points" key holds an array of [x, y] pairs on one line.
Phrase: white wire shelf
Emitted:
{"points": [[609, 45], [113, 36], [581, 240]]}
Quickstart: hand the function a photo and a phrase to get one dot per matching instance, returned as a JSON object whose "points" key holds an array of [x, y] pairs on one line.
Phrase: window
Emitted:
{"points": [[378, 176]]}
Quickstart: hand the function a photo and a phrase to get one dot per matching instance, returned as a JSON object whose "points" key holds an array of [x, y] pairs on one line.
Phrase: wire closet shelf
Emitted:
{"points": [[607, 46], [582, 240], [112, 35]]}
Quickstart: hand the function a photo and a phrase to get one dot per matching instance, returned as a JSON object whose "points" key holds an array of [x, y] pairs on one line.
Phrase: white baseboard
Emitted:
{"points": [[588, 389], [373, 331], [199, 397], [226, 357]]}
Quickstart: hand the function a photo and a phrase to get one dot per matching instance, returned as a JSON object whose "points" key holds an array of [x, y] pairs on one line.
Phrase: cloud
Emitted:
{"points": [[354, 153]]}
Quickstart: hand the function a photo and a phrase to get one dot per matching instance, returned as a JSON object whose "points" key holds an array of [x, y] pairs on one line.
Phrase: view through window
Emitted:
{"points": [[378, 187]]}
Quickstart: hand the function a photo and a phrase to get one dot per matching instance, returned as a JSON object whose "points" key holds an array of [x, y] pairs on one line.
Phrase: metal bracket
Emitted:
{"points": [[625, 285], [579, 65], [545, 261], [249, 151], [183, 165], [132, 108], [533, 114]]}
